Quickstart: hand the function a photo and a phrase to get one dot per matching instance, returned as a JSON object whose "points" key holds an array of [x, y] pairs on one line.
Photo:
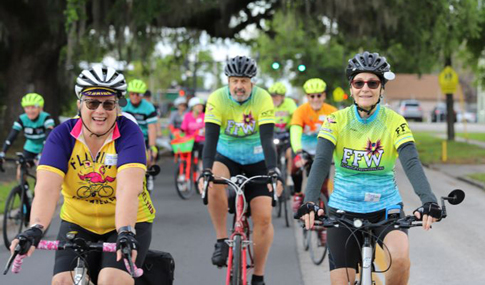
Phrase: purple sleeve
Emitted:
{"points": [[130, 147], [58, 147]]}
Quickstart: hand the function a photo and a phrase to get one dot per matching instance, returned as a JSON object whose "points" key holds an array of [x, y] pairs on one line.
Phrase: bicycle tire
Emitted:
{"points": [[306, 240], [81, 192], [106, 189], [185, 189], [318, 249], [285, 207], [236, 270], [12, 215]]}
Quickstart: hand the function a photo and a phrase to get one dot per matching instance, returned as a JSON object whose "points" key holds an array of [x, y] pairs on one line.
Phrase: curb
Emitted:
{"points": [[470, 181]]}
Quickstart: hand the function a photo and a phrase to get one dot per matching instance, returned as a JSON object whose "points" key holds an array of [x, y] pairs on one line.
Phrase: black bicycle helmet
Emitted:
{"points": [[241, 66], [369, 62]]}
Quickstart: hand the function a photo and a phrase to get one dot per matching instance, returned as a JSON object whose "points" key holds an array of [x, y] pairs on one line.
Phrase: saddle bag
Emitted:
{"points": [[158, 269]]}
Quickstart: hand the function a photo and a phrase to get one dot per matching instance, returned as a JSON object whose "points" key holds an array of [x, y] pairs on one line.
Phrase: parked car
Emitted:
{"points": [[411, 110], [469, 116], [438, 114]]}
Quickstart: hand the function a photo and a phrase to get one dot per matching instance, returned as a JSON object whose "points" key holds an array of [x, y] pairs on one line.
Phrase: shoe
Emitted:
{"points": [[150, 183], [297, 201], [323, 237], [257, 283], [221, 251]]}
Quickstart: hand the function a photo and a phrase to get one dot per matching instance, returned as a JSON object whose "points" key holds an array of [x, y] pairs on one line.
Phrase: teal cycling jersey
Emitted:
{"points": [[35, 131], [145, 114], [239, 138]]}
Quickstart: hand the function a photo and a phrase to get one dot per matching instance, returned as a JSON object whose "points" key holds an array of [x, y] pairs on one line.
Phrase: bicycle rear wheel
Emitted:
{"points": [[184, 186], [14, 215], [236, 271]]}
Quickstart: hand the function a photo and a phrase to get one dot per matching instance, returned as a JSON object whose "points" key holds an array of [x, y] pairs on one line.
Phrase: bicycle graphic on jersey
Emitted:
{"points": [[97, 185]]}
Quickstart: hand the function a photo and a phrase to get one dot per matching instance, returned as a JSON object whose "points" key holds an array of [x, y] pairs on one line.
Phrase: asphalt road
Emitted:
{"points": [[451, 253]]}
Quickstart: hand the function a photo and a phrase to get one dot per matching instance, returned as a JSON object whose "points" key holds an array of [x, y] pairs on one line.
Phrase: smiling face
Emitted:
{"points": [[365, 97], [277, 99], [32, 112], [99, 120], [135, 98], [240, 88], [316, 100]]}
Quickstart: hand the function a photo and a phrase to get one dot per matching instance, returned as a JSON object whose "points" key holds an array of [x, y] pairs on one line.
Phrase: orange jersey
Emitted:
{"points": [[309, 119]]}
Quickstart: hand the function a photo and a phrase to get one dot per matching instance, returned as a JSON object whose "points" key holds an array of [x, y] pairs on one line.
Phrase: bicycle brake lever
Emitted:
{"points": [[126, 252], [11, 259]]}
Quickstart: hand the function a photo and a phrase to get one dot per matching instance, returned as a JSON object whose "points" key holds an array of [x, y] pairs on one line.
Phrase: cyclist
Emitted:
{"points": [[305, 124], [148, 97], [145, 115], [36, 125], [99, 162], [193, 124], [239, 125], [284, 109], [177, 116], [366, 140]]}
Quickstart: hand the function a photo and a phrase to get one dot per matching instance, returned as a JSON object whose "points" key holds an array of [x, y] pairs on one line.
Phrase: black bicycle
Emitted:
{"points": [[16, 214], [282, 142]]}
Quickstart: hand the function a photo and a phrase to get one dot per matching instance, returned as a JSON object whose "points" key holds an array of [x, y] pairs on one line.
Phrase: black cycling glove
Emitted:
{"points": [[126, 240], [276, 173], [431, 209], [306, 209], [29, 237]]}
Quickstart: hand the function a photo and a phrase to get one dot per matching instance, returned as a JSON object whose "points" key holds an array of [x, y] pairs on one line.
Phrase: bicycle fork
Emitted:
{"points": [[244, 247]]}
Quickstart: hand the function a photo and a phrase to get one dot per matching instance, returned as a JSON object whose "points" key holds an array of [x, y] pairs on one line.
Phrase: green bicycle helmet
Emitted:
{"points": [[137, 86], [277, 88], [32, 99], [314, 85]]}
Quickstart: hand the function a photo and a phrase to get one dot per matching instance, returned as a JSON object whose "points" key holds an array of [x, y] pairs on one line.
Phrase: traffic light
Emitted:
{"points": [[301, 67], [275, 65]]}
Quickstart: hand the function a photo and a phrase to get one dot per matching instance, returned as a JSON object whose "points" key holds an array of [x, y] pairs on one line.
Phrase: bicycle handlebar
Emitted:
{"points": [[240, 181], [16, 260]]}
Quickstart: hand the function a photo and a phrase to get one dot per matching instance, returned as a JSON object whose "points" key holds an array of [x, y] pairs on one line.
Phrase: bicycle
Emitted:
{"points": [[82, 248], [365, 266], [282, 142], [150, 175], [240, 245], [186, 170], [16, 215]]}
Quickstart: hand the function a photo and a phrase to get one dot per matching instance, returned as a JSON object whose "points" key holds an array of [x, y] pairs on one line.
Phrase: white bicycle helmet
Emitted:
{"points": [[195, 101], [101, 76], [179, 100]]}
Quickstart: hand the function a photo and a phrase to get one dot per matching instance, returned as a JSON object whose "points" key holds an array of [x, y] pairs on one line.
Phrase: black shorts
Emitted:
{"points": [[29, 156], [65, 259], [199, 148], [344, 245], [253, 190]]}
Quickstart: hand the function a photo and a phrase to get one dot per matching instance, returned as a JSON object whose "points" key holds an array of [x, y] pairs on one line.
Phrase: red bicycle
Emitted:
{"points": [[240, 257], [186, 170]]}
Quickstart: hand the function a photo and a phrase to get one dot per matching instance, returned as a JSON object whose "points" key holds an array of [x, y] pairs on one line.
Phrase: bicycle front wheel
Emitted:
{"points": [[13, 215], [183, 184], [236, 271], [318, 238]]}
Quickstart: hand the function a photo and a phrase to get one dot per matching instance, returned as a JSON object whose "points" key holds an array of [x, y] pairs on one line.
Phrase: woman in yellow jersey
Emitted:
{"points": [[305, 124], [98, 160], [366, 140]]}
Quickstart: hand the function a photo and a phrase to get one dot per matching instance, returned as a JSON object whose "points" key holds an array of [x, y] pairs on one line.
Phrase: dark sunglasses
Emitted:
{"points": [[92, 104], [312, 96], [359, 84]]}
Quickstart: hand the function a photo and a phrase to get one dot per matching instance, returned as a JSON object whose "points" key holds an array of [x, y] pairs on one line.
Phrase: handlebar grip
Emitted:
{"points": [[17, 263]]}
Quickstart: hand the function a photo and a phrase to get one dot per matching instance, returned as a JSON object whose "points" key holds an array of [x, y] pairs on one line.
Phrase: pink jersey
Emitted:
{"points": [[191, 125]]}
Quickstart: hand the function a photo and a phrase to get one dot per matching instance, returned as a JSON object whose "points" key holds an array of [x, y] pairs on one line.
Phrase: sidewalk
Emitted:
{"points": [[460, 171]]}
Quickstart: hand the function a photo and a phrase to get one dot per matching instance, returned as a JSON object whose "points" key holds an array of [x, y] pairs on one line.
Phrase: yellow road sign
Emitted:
{"points": [[448, 80], [338, 94]]}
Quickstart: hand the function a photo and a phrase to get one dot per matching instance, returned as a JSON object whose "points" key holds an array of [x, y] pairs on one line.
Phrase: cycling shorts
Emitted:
{"points": [[29, 156], [344, 244], [199, 147], [65, 259], [253, 190]]}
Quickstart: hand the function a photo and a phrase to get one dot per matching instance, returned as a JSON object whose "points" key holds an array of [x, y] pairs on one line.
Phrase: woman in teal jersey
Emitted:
{"points": [[366, 139], [36, 125]]}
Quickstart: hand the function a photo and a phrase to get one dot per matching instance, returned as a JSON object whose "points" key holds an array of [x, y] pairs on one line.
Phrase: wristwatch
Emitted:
{"points": [[37, 226], [129, 229]]}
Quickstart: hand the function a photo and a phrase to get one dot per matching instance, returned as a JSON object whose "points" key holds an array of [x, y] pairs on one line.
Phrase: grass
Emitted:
{"points": [[5, 188], [478, 176], [473, 136], [430, 150]]}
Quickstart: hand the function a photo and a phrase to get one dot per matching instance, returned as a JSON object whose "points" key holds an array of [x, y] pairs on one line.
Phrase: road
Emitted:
{"points": [[451, 253]]}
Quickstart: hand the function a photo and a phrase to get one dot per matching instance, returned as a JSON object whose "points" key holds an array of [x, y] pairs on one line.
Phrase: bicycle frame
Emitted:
{"points": [[187, 158]]}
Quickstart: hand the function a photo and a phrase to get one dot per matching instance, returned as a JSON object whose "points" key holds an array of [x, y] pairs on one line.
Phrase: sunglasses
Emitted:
{"points": [[312, 96], [92, 104], [359, 84]]}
